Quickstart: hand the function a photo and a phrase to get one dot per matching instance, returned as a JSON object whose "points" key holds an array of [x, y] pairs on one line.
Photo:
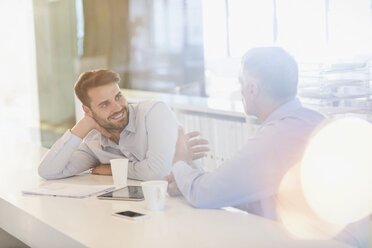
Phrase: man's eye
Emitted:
{"points": [[118, 97], [104, 105]]}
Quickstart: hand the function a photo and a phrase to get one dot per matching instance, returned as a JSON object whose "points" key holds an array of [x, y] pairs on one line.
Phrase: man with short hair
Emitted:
{"points": [[268, 78], [251, 179], [145, 133]]}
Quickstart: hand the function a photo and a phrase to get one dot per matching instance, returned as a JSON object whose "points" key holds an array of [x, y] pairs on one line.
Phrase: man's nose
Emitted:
{"points": [[116, 106]]}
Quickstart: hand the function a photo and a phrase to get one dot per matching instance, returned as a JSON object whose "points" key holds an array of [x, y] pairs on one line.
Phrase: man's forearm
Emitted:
{"points": [[56, 160], [82, 128], [67, 157]]}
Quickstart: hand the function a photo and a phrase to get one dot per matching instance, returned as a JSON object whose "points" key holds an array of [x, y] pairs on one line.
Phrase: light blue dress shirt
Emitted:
{"points": [[148, 141], [250, 180]]}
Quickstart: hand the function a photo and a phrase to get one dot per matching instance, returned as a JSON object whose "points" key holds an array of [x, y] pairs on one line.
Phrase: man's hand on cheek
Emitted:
{"points": [[103, 131], [90, 121], [84, 126]]}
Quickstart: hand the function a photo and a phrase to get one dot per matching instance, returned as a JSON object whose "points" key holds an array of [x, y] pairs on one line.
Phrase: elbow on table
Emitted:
{"points": [[48, 176], [44, 175], [200, 203]]}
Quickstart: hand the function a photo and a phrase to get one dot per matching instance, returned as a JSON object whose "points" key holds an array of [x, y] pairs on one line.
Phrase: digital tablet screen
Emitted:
{"points": [[133, 193], [130, 214]]}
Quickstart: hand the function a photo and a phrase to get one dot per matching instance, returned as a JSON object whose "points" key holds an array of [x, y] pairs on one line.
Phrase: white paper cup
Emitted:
{"points": [[119, 168], [154, 192]]}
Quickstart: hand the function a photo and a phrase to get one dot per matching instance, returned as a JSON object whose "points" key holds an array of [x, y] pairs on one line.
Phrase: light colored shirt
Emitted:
{"points": [[148, 141], [251, 178]]}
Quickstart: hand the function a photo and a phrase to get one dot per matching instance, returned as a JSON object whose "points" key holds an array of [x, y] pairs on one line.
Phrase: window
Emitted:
{"points": [[313, 31]]}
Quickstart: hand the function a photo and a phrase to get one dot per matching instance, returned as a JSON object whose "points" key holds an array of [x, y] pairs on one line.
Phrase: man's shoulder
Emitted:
{"points": [[145, 107], [92, 136], [300, 120], [148, 104], [296, 119], [308, 113]]}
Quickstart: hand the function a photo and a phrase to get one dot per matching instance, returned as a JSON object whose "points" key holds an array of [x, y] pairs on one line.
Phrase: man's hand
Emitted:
{"points": [[87, 124], [196, 147], [181, 147], [102, 169], [172, 186], [188, 148]]}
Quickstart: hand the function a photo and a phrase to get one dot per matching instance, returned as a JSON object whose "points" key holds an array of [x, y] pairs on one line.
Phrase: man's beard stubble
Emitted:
{"points": [[109, 126]]}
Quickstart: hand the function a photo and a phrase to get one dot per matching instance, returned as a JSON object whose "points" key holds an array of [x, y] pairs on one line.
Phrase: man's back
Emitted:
{"points": [[278, 145], [251, 178]]}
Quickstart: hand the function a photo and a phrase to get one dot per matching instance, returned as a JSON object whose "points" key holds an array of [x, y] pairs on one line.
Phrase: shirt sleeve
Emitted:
{"points": [[249, 176], [67, 157], [161, 125]]}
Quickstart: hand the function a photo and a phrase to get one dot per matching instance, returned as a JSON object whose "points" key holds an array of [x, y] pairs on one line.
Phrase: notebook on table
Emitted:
{"points": [[69, 190]]}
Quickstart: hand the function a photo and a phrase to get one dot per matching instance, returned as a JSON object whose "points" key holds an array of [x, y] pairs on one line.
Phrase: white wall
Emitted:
{"points": [[19, 111]]}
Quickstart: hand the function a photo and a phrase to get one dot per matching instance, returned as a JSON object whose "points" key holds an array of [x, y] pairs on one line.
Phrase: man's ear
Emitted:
{"points": [[254, 88], [87, 111]]}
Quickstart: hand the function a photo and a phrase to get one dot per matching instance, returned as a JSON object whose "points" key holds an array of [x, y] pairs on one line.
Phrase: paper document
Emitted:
{"points": [[69, 190]]}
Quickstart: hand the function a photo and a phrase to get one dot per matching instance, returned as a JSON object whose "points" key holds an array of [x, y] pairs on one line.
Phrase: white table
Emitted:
{"points": [[41, 221]]}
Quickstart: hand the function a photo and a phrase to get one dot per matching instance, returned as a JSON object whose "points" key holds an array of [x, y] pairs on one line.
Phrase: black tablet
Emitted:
{"points": [[129, 193]]}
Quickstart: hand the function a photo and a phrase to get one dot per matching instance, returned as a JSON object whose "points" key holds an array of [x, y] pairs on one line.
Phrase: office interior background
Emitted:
{"points": [[185, 48]]}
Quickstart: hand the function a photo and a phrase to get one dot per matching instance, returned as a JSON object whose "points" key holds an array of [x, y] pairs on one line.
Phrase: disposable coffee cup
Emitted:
{"points": [[119, 168], [155, 193]]}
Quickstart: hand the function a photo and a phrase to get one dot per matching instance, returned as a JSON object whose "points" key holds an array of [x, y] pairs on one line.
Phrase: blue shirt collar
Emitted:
{"points": [[283, 110], [131, 127]]}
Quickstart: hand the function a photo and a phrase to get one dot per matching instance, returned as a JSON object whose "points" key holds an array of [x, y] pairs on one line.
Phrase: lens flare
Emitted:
{"points": [[332, 187], [296, 214], [337, 169]]}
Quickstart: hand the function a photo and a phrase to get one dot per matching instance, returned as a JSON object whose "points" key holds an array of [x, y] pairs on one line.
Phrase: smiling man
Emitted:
{"points": [[145, 133]]}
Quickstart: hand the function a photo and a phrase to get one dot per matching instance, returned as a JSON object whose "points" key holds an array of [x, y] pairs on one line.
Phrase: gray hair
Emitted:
{"points": [[276, 70]]}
